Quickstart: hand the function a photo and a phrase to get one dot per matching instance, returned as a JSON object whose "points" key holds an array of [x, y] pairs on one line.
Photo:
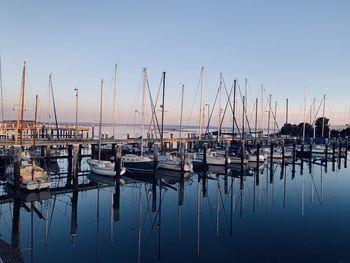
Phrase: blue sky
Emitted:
{"points": [[289, 46]]}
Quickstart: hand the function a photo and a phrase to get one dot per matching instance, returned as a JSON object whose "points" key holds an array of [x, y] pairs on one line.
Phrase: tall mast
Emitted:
{"points": [[49, 103], [286, 115], [2, 96], [274, 119], [201, 104], [162, 127], [234, 109], [256, 118], [54, 107], [182, 106], [314, 119], [220, 108], [114, 116], [35, 119], [304, 117], [323, 113], [21, 107], [100, 124], [268, 117], [143, 106], [262, 107]]}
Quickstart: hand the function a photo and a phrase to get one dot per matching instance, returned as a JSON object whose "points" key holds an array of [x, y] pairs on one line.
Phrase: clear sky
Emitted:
{"points": [[289, 46]]}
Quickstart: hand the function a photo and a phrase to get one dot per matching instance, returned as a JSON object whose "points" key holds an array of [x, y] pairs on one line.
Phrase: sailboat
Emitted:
{"points": [[105, 168], [172, 161], [140, 163], [32, 177]]}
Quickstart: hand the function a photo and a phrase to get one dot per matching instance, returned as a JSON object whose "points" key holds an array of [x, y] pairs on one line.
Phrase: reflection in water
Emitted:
{"points": [[174, 218]]}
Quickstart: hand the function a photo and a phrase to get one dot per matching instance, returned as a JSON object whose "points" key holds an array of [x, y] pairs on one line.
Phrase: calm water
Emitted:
{"points": [[212, 218]]}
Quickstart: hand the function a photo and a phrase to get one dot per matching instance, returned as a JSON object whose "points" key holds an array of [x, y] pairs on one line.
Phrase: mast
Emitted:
{"points": [[304, 117], [143, 106], [182, 106], [76, 112], [114, 114], [286, 115], [256, 118], [220, 108], [2, 96], [100, 124], [21, 107], [49, 105], [34, 137], [323, 113], [268, 117], [274, 119], [162, 106], [262, 107], [314, 119], [234, 109], [201, 104], [54, 108]]}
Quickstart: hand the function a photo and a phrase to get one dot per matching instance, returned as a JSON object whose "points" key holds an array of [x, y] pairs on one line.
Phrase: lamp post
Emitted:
{"points": [[76, 113]]}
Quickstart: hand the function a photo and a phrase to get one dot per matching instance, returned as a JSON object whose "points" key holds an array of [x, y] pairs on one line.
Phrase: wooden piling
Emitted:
{"points": [[155, 159], [48, 153], [75, 164], [118, 161], [182, 158], [333, 153], [257, 156], [17, 167]]}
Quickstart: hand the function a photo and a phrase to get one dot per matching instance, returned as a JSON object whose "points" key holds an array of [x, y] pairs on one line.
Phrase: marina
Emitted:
{"points": [[174, 131]]}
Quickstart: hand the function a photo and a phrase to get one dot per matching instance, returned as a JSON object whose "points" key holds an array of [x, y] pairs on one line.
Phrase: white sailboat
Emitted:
{"points": [[105, 168], [133, 162], [32, 177]]}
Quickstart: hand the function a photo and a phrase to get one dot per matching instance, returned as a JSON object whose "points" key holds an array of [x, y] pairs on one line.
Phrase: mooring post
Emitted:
{"points": [[93, 150], [294, 155], [326, 152], [118, 162], [92, 131], [242, 155], [333, 153], [48, 153], [204, 155], [17, 167], [75, 165], [70, 156], [182, 158], [113, 150], [80, 155], [155, 159], [310, 152]]}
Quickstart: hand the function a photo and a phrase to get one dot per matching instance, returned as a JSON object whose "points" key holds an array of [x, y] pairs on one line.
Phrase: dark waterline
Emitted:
{"points": [[206, 218]]}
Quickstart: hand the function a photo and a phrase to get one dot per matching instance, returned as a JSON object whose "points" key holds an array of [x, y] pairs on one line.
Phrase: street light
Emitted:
{"points": [[76, 113]]}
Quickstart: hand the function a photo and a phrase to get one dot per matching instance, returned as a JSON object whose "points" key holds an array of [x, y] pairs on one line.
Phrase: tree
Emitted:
{"points": [[318, 127]]}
